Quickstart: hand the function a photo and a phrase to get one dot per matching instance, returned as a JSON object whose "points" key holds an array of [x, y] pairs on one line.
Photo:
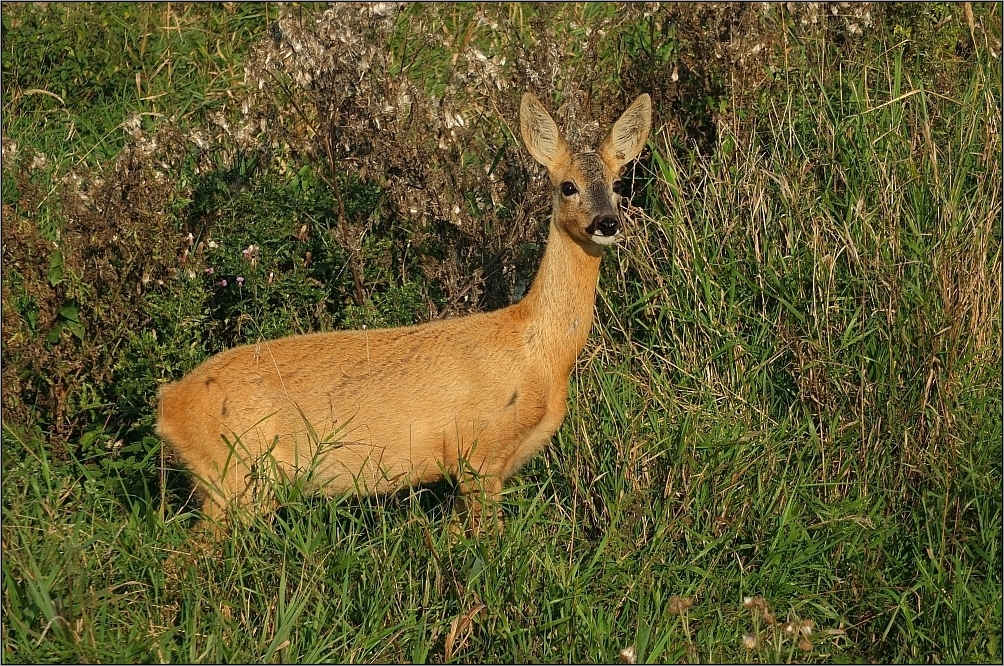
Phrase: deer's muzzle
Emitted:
{"points": [[604, 228]]}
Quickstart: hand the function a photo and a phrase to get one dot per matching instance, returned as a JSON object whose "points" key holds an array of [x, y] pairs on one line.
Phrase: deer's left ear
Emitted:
{"points": [[628, 135]]}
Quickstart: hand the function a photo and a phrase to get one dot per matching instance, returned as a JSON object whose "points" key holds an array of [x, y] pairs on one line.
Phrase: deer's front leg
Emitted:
{"points": [[479, 504]]}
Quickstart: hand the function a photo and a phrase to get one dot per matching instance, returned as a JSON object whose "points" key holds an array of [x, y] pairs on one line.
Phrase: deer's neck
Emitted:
{"points": [[559, 306]]}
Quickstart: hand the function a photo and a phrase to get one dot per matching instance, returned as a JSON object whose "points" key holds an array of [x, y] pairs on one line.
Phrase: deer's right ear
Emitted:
{"points": [[541, 135]]}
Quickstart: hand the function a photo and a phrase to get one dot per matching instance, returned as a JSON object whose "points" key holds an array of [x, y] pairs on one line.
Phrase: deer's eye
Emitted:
{"points": [[619, 187], [568, 189]]}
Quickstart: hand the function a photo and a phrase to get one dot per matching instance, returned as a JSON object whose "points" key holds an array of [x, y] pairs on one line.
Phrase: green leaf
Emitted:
{"points": [[76, 329], [69, 311], [55, 268], [53, 335]]}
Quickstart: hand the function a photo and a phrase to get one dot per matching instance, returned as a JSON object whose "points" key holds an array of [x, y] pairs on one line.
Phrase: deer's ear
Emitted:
{"points": [[628, 135], [541, 135]]}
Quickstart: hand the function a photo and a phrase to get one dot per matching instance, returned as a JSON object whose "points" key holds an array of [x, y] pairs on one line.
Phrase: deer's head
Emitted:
{"points": [[586, 187]]}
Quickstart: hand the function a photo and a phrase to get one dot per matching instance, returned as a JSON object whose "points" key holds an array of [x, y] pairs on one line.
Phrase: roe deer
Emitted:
{"points": [[373, 411]]}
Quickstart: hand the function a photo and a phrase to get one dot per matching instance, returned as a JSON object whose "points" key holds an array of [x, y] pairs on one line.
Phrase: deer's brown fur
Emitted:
{"points": [[372, 411]]}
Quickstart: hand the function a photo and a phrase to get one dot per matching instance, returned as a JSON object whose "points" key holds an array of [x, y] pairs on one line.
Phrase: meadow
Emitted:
{"points": [[784, 435]]}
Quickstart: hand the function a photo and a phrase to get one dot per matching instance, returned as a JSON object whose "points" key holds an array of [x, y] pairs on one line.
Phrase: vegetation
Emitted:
{"points": [[783, 440]]}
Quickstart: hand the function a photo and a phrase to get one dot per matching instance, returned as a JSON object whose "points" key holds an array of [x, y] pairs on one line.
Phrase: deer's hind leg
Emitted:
{"points": [[233, 480]]}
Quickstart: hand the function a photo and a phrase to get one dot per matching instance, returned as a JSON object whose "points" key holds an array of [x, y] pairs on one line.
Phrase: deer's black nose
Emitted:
{"points": [[606, 226]]}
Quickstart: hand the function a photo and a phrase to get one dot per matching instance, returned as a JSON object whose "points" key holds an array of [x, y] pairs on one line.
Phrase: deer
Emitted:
{"points": [[370, 412]]}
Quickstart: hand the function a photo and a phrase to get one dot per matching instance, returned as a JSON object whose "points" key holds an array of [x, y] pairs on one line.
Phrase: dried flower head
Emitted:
{"points": [[679, 605], [760, 606], [628, 655], [39, 162], [750, 641], [251, 254]]}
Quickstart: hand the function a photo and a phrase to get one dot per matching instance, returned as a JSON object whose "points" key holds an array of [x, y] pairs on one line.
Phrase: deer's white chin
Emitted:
{"points": [[600, 239]]}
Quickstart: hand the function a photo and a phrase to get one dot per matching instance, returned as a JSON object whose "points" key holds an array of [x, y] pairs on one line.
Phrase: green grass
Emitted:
{"points": [[80, 71], [789, 409]]}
